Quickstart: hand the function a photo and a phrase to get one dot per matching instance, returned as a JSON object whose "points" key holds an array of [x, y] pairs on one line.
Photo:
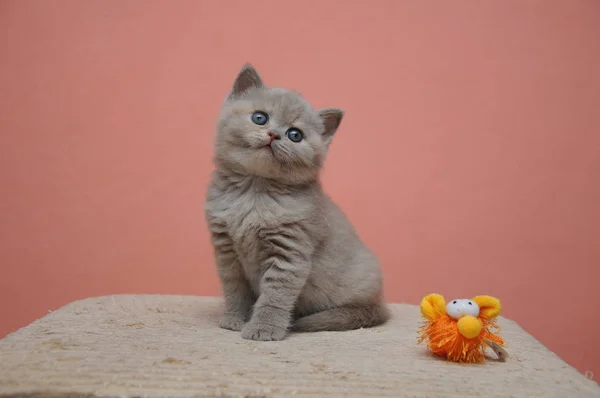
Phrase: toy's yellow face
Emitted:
{"points": [[434, 305], [467, 313], [458, 308]]}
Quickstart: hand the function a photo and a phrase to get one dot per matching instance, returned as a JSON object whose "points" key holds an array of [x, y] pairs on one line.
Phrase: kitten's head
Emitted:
{"points": [[273, 132]]}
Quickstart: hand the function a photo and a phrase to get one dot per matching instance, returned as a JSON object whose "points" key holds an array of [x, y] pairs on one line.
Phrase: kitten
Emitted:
{"points": [[287, 257]]}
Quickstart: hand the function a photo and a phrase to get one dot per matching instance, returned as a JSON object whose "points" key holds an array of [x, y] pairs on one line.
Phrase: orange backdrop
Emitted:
{"points": [[469, 158]]}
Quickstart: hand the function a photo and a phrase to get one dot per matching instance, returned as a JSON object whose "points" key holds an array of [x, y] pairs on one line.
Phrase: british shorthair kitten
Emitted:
{"points": [[287, 257]]}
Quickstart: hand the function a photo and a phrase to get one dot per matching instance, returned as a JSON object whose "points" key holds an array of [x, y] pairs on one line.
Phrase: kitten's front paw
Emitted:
{"points": [[232, 322], [263, 332]]}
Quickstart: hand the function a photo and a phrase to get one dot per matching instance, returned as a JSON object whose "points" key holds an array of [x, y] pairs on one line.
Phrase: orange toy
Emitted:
{"points": [[460, 330]]}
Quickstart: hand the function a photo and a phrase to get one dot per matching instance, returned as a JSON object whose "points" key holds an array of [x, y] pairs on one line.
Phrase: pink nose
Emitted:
{"points": [[274, 136]]}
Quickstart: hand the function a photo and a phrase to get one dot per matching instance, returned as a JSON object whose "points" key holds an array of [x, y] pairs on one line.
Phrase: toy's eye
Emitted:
{"points": [[260, 118], [463, 307]]}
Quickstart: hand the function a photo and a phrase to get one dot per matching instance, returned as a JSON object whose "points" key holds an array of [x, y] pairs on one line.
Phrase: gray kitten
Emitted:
{"points": [[287, 257]]}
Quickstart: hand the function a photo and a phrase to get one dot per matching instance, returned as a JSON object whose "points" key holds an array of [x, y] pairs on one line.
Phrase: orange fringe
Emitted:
{"points": [[444, 340]]}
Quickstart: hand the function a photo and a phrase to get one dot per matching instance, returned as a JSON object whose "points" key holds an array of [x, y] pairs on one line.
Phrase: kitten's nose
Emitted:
{"points": [[274, 136]]}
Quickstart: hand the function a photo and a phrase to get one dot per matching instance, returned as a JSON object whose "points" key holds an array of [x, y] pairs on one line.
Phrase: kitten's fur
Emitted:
{"points": [[286, 254]]}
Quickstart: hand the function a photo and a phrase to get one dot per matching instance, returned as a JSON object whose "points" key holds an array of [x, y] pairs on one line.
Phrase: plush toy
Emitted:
{"points": [[460, 330]]}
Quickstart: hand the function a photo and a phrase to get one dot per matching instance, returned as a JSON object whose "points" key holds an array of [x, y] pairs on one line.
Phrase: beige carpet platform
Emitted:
{"points": [[170, 346]]}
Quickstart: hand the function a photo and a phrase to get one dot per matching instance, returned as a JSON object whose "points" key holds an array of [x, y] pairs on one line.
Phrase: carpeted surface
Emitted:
{"points": [[171, 346]]}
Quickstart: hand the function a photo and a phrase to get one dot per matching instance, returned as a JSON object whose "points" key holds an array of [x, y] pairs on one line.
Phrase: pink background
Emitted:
{"points": [[469, 158]]}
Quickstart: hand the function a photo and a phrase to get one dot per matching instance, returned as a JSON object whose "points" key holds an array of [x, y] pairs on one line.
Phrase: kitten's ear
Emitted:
{"points": [[331, 117], [245, 80]]}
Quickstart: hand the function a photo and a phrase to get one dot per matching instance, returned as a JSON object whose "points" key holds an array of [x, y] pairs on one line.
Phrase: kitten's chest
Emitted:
{"points": [[248, 218], [246, 214]]}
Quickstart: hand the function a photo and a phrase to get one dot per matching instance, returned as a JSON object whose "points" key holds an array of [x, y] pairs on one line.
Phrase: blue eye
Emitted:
{"points": [[260, 118], [294, 135]]}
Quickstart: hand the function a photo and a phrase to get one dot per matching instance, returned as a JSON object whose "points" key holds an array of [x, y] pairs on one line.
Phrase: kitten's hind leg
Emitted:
{"points": [[343, 318]]}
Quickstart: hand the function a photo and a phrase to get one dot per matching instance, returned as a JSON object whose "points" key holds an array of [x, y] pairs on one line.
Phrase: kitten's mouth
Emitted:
{"points": [[268, 147]]}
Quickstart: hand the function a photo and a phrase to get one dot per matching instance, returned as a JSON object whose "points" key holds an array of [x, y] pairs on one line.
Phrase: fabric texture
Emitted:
{"points": [[171, 346]]}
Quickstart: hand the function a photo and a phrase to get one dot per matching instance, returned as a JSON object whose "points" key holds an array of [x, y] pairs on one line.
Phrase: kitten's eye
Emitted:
{"points": [[260, 118], [294, 135]]}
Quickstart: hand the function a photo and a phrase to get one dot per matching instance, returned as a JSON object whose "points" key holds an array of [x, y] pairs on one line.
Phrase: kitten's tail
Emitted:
{"points": [[343, 318]]}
